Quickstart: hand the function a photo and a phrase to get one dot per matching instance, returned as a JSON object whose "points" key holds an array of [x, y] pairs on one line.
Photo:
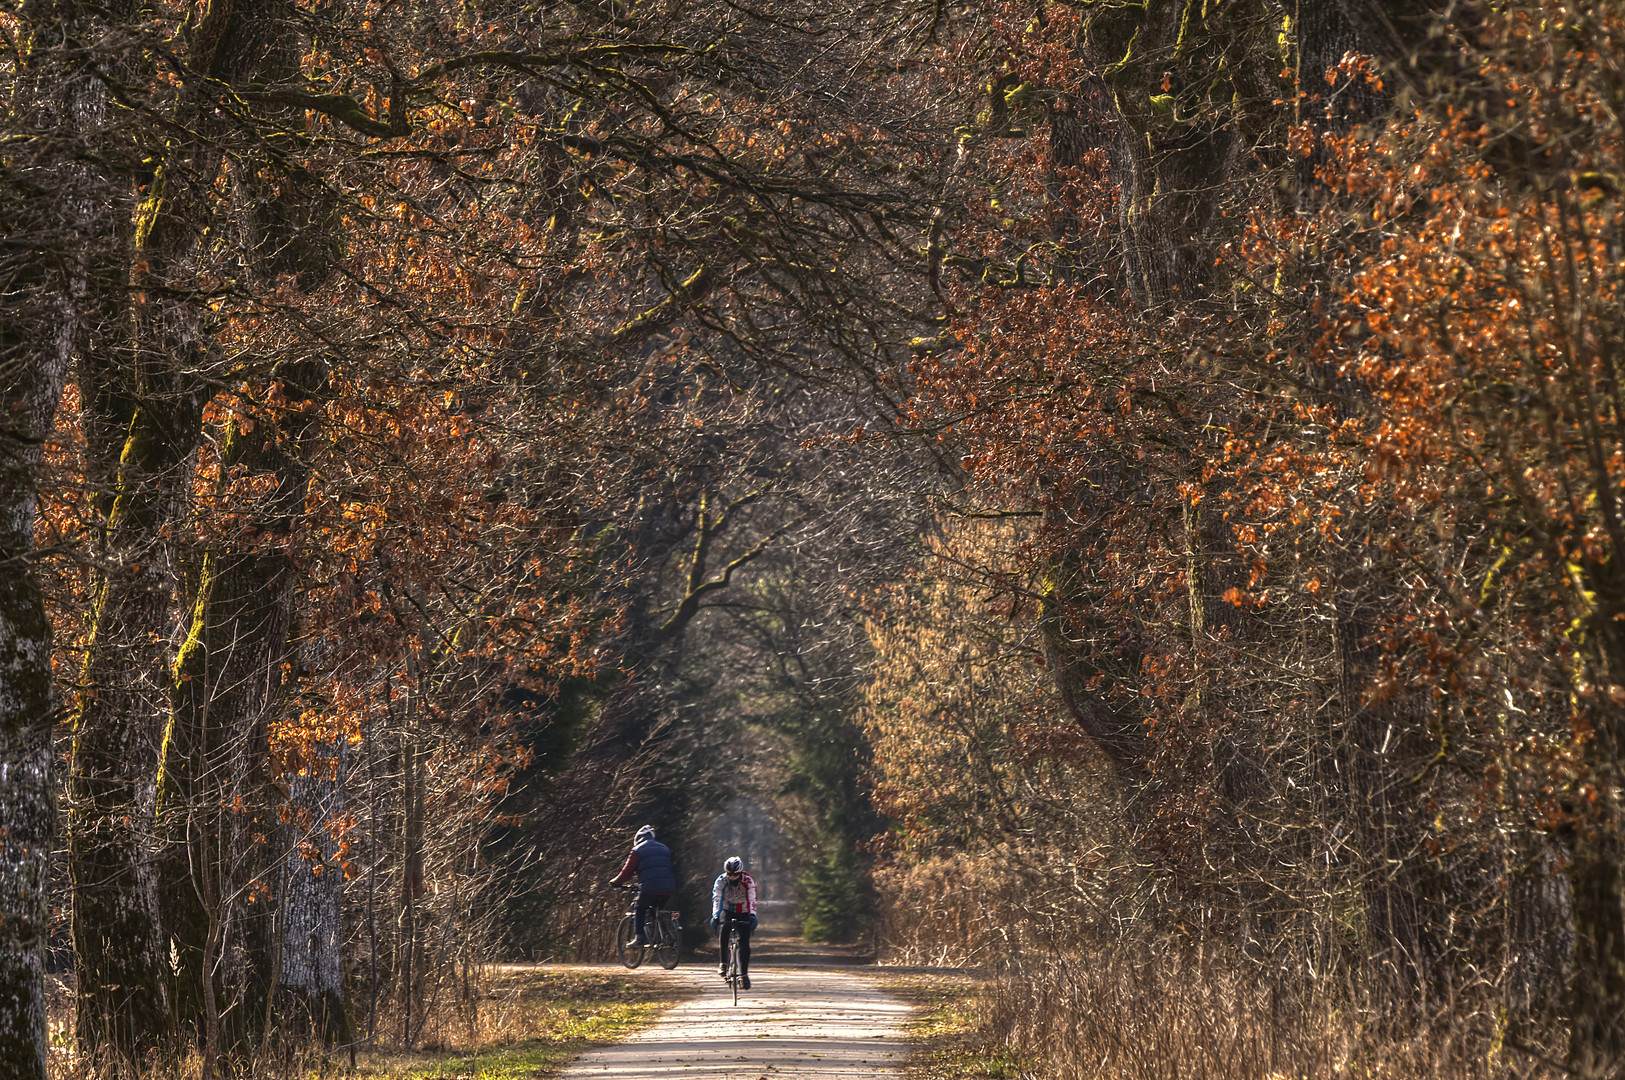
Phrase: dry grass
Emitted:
{"points": [[1126, 1015], [1126, 994], [950, 1036], [528, 1023], [532, 1022]]}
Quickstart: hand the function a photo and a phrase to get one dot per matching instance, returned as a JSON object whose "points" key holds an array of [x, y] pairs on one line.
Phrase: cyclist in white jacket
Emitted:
{"points": [[733, 904]]}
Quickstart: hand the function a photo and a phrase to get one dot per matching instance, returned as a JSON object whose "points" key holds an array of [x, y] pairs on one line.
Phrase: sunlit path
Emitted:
{"points": [[793, 1022]]}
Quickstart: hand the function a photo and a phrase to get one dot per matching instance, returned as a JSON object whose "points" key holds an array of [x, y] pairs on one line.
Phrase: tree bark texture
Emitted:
{"points": [[311, 971], [122, 1003], [48, 197], [215, 789], [27, 816], [1157, 65], [1367, 741], [1597, 979], [225, 673], [1596, 868], [410, 962], [27, 785]]}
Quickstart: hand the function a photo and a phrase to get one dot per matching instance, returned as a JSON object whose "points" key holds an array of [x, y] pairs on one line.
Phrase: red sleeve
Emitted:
{"points": [[627, 870]]}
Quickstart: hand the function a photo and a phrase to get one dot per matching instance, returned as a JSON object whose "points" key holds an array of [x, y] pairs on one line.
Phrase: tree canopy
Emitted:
{"points": [[1132, 492]]}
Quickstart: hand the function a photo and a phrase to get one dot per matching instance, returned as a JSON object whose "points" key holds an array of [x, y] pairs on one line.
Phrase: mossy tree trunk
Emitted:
{"points": [[141, 428], [218, 806], [148, 740]]}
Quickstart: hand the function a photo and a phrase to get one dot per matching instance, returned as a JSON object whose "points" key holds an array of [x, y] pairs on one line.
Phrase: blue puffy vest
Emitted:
{"points": [[655, 873]]}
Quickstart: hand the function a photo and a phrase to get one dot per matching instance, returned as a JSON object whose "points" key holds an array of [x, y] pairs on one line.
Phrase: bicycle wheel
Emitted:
{"points": [[631, 955], [733, 963], [670, 943]]}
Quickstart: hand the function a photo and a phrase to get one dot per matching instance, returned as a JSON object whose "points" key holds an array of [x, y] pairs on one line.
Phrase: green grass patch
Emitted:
{"points": [[949, 1040], [530, 1024]]}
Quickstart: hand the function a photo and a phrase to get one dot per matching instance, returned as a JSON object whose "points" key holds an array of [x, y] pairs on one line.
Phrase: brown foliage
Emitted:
{"points": [[1303, 368]]}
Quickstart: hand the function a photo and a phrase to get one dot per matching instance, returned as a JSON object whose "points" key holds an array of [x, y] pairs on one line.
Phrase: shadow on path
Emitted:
{"points": [[808, 1014]]}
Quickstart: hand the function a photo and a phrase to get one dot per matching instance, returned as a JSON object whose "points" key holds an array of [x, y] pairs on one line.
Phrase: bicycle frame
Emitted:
{"points": [[667, 934], [734, 974]]}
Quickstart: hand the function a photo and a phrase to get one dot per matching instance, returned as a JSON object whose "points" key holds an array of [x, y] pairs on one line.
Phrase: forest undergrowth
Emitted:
{"points": [[949, 1031], [1129, 1017], [518, 1022], [1116, 1012]]}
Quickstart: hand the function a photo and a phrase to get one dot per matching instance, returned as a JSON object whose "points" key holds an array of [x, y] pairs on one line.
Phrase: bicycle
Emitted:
{"points": [[734, 976], [666, 946]]}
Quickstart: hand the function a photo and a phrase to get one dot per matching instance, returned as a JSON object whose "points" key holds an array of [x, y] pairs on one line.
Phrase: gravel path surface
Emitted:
{"points": [[794, 1023]]}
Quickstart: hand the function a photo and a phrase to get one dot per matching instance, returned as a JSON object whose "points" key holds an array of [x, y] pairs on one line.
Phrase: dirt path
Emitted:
{"points": [[796, 1021]]}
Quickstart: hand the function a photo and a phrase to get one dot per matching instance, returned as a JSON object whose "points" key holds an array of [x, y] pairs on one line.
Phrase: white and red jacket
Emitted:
{"points": [[738, 897]]}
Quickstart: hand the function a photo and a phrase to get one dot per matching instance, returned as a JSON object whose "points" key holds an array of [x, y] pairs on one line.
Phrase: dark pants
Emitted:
{"points": [[743, 923], [645, 903]]}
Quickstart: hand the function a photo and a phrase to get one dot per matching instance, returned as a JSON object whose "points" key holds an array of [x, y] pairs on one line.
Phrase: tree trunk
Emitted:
{"points": [[1597, 981], [144, 415], [215, 786], [311, 982], [133, 467], [122, 976], [411, 888], [1596, 874], [1595, 837], [27, 792], [47, 210], [27, 788]]}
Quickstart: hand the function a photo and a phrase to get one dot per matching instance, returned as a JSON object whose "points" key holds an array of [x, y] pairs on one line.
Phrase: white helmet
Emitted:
{"points": [[645, 833], [734, 865]]}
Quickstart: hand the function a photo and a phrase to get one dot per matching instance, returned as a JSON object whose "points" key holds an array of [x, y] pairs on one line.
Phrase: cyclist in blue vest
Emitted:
{"points": [[650, 860], [733, 904]]}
